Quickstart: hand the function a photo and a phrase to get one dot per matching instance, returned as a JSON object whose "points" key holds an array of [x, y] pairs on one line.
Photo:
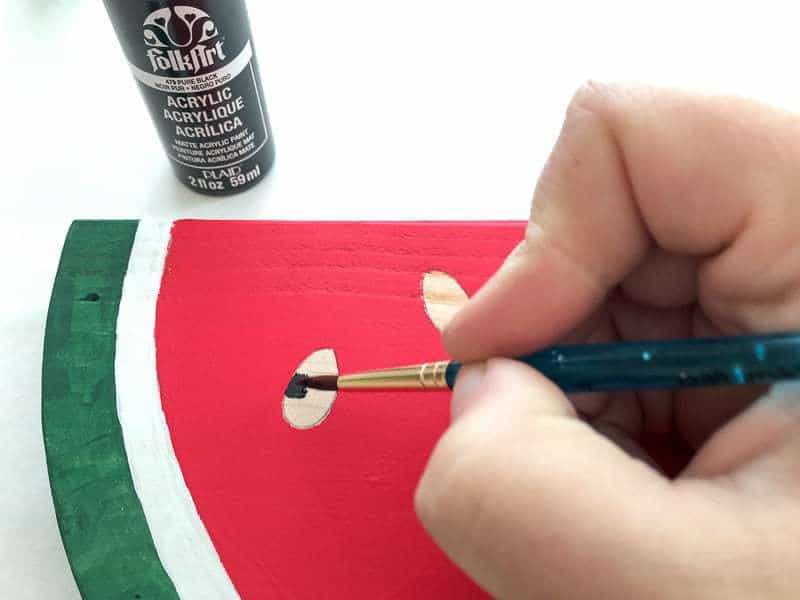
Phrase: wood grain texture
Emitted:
{"points": [[180, 539], [311, 410], [324, 512], [104, 530], [443, 296]]}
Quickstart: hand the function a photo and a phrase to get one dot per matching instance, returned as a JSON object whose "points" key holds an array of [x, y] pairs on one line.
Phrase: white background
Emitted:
{"points": [[421, 109]]}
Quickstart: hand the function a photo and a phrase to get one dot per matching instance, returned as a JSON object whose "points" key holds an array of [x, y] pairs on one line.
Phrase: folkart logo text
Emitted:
{"points": [[182, 38]]}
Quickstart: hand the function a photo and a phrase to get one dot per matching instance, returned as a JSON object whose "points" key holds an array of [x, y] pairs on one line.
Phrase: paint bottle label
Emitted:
{"points": [[195, 65]]}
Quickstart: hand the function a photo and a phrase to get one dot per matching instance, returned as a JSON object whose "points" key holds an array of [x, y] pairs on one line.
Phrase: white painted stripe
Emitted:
{"points": [[180, 538]]}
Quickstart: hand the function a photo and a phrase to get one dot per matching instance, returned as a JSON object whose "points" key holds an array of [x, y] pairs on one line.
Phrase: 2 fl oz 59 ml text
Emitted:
{"points": [[220, 180]]}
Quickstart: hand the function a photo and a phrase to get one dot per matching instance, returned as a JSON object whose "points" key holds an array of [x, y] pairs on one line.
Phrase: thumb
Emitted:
{"points": [[530, 501]]}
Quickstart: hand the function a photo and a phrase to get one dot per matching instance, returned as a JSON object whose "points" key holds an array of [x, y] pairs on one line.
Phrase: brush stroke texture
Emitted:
{"points": [[178, 533], [105, 533], [327, 512]]}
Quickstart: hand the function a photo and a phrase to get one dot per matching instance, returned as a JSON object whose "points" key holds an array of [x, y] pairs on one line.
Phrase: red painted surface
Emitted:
{"points": [[328, 512]]}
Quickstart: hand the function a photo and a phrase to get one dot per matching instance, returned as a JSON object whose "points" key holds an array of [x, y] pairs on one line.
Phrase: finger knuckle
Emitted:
{"points": [[592, 97]]}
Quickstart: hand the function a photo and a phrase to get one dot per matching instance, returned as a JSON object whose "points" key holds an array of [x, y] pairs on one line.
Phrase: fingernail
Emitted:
{"points": [[465, 392]]}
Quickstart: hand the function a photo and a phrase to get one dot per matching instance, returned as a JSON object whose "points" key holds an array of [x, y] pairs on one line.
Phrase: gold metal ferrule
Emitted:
{"points": [[425, 376]]}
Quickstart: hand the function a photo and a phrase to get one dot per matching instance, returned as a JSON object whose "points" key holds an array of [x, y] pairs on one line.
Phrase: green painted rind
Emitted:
{"points": [[104, 530]]}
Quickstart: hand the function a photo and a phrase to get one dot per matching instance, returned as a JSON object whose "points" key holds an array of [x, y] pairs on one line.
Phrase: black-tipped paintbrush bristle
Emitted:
{"points": [[323, 382], [297, 386]]}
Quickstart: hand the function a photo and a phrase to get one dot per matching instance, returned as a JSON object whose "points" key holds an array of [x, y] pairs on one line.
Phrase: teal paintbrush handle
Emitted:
{"points": [[666, 364]]}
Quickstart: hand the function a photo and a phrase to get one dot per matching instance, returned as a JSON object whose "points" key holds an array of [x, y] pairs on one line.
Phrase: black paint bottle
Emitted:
{"points": [[196, 68]]}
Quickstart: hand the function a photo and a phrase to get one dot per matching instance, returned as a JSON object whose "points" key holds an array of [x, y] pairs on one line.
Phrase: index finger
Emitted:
{"points": [[706, 176]]}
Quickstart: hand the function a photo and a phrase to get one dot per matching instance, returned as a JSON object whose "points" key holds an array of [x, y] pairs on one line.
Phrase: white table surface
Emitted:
{"points": [[422, 109]]}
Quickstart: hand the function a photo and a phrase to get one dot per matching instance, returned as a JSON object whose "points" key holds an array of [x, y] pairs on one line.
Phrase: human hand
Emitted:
{"points": [[659, 214]]}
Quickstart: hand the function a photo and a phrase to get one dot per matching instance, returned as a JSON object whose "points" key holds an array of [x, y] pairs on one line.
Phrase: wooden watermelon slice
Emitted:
{"points": [[167, 353]]}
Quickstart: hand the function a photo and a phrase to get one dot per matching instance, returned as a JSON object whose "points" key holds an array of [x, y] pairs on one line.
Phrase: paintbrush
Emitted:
{"points": [[700, 362]]}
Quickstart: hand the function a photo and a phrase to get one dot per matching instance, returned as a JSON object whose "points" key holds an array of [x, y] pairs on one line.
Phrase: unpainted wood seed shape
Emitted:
{"points": [[443, 297], [314, 407]]}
